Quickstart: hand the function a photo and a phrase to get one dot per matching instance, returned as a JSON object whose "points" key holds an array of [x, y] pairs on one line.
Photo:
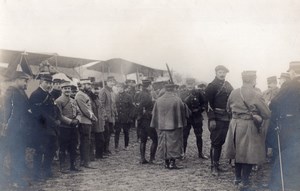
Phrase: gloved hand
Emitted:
{"points": [[212, 125]]}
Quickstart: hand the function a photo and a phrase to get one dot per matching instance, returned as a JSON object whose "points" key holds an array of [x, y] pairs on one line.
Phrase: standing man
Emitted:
{"points": [[124, 108], [16, 113], [106, 100], [195, 101], [144, 119], [56, 89], [46, 115], [285, 109], [87, 119], [217, 93], [169, 119], [69, 126], [245, 141], [272, 90]]}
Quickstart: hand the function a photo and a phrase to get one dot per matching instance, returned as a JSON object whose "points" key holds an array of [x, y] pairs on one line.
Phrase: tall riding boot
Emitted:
{"points": [[143, 153], [62, 158], [152, 152], [167, 163], [199, 146], [215, 162]]}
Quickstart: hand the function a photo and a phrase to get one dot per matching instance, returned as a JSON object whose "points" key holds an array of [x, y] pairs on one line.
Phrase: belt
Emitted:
{"points": [[244, 116]]}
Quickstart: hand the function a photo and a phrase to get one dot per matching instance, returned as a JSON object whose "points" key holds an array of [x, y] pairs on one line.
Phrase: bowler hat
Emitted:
{"points": [[221, 67]]}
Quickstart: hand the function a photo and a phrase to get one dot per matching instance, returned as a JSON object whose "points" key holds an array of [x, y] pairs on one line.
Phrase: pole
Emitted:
{"points": [[280, 159]]}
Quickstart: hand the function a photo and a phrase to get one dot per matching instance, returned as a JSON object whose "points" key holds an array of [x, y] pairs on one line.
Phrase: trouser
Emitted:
{"points": [[217, 137], [197, 126], [242, 172], [125, 127], [92, 146], [108, 130], [17, 150], [145, 133], [99, 142], [85, 141], [68, 142], [46, 149]]}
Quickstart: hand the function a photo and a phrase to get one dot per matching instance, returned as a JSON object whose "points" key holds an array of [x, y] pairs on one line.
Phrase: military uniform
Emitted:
{"points": [[217, 93], [144, 118], [285, 110], [124, 108], [84, 104], [169, 118], [16, 115], [68, 129], [195, 101], [46, 116]]}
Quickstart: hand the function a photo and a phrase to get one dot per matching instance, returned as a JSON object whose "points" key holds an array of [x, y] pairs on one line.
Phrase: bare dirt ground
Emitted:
{"points": [[122, 171]]}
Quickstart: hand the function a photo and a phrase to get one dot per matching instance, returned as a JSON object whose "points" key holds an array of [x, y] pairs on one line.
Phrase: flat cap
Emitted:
{"points": [[66, 84], [272, 79], [85, 81], [294, 65], [221, 67], [111, 78], [20, 75], [190, 80], [58, 80], [285, 76], [249, 74], [146, 83], [45, 77]]}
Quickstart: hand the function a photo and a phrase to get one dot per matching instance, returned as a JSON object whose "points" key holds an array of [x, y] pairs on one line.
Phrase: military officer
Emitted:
{"points": [[69, 125], [272, 90], [47, 121], [217, 93], [285, 110], [124, 106], [16, 113], [144, 118], [195, 101], [87, 118], [106, 100]]}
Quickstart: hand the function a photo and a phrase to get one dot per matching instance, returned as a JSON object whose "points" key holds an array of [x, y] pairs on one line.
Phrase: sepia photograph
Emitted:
{"points": [[161, 95]]}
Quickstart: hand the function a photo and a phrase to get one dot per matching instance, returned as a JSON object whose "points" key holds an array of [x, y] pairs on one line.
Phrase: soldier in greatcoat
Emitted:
{"points": [[169, 118], [46, 117], [285, 109], [245, 142], [124, 105], [106, 100], [217, 93], [15, 116], [70, 118]]}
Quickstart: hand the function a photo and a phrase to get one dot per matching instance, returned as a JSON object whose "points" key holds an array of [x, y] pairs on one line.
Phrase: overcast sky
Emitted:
{"points": [[192, 36]]}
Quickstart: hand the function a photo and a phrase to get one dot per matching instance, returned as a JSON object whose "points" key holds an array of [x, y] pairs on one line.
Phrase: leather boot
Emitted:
{"points": [[173, 164], [199, 146], [167, 163], [152, 152], [143, 152]]}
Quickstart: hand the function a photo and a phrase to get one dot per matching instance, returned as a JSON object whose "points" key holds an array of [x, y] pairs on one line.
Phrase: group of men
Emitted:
{"points": [[58, 116]]}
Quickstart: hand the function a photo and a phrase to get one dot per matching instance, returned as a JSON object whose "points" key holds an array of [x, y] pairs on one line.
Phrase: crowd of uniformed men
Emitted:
{"points": [[62, 118]]}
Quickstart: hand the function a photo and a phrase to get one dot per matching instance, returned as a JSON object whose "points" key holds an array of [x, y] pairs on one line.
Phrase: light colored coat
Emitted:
{"points": [[243, 142], [85, 107], [107, 102], [168, 112]]}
